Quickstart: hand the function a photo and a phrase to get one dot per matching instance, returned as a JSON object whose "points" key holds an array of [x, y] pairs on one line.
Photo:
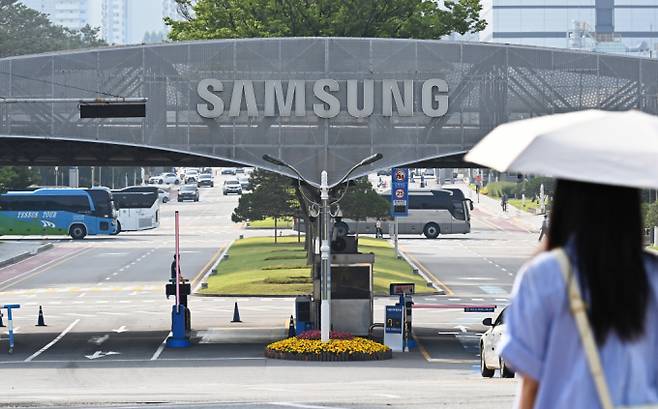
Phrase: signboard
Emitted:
{"points": [[479, 309], [402, 288], [393, 323], [399, 192]]}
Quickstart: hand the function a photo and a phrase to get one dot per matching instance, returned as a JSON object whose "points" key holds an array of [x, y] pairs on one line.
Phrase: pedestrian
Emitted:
{"points": [[173, 268], [503, 202], [379, 233], [547, 322], [477, 191], [543, 230]]}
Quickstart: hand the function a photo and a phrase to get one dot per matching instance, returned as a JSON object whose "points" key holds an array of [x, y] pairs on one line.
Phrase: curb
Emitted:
{"points": [[249, 295], [204, 278], [25, 255], [427, 276]]}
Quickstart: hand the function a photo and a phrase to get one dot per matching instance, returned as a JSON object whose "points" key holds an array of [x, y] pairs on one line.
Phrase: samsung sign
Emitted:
{"points": [[397, 98]]}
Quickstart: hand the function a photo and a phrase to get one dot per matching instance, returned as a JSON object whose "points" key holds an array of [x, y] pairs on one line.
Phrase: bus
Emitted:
{"points": [[138, 208], [431, 213], [60, 211]]}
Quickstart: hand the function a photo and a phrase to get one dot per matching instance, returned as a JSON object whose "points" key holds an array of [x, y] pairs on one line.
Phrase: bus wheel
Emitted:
{"points": [[431, 230], [118, 229], [78, 231]]}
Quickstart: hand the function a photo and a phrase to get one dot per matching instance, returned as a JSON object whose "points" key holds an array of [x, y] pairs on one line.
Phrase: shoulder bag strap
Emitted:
{"points": [[577, 307]]}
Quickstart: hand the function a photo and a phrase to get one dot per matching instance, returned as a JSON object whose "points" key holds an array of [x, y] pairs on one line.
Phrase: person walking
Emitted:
{"points": [[503, 202], [582, 326], [543, 230], [379, 233]]}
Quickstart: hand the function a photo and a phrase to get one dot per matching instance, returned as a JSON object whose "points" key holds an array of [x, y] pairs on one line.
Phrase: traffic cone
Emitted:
{"points": [[40, 321], [1, 323], [236, 313], [291, 328]]}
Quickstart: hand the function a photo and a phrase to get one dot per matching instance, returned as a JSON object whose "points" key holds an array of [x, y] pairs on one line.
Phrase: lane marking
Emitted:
{"points": [[446, 289], [53, 342], [161, 348], [40, 269], [302, 405]]}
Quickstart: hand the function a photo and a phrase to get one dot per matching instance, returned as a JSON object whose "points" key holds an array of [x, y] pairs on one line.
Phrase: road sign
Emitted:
{"points": [[399, 192]]}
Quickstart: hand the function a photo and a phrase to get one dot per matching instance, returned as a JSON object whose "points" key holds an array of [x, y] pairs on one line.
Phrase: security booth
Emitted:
{"points": [[351, 293]]}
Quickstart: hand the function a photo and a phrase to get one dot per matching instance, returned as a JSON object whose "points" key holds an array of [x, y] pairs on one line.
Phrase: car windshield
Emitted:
{"points": [[188, 188], [232, 182], [205, 177]]}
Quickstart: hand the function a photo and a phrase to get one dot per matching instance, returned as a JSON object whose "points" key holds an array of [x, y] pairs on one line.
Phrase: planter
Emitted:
{"points": [[356, 349]]}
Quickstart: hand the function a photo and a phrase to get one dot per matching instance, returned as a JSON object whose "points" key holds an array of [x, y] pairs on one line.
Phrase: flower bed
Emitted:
{"points": [[308, 349]]}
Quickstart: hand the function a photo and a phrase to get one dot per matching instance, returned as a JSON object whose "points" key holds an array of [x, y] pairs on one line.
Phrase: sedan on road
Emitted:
{"points": [[232, 186], [188, 192], [228, 171], [490, 358], [205, 179]]}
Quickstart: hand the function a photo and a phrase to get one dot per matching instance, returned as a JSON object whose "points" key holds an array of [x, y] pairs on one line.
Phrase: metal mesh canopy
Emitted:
{"points": [[485, 85]]}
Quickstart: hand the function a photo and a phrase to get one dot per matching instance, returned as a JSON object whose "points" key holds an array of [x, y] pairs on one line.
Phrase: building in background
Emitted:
{"points": [[120, 21], [616, 26]]}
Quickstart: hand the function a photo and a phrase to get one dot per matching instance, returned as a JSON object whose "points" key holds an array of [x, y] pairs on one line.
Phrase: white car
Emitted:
{"points": [[191, 176], [490, 358], [169, 178], [163, 195]]}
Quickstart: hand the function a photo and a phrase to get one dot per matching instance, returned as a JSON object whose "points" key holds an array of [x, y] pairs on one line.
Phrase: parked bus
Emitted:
{"points": [[60, 211], [138, 208], [431, 212]]}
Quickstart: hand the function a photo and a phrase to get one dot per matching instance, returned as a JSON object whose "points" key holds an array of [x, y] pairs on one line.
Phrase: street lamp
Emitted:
{"points": [[325, 248]]}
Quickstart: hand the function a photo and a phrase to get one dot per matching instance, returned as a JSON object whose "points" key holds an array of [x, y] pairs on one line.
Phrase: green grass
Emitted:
{"points": [[268, 223], [257, 266], [529, 205]]}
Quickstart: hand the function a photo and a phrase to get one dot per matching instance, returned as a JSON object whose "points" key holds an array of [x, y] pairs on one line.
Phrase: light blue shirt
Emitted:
{"points": [[542, 341]]}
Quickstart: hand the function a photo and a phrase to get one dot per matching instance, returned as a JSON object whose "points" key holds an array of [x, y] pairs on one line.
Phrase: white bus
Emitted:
{"points": [[138, 208], [431, 213]]}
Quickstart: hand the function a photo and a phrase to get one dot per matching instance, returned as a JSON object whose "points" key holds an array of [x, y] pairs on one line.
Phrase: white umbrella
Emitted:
{"points": [[613, 148]]}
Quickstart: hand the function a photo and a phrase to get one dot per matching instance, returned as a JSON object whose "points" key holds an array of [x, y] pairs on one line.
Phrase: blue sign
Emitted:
{"points": [[479, 309], [399, 192], [393, 323]]}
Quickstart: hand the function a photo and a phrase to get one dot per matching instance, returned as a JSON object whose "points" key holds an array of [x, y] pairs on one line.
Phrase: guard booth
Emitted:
{"points": [[351, 287]]}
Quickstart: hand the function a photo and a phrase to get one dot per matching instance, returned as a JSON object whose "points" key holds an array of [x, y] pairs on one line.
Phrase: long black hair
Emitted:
{"points": [[605, 223]]}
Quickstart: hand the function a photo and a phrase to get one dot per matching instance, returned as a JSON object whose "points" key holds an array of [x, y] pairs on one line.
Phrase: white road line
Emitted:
{"points": [[302, 406], [53, 342], [161, 348]]}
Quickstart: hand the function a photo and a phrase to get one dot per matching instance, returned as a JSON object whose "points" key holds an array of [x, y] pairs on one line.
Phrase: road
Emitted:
{"points": [[107, 317]]}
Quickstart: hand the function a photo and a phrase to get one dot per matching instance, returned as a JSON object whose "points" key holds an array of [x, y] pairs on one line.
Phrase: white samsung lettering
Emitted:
{"points": [[330, 106], [391, 93], [274, 94], [284, 97], [353, 97]]}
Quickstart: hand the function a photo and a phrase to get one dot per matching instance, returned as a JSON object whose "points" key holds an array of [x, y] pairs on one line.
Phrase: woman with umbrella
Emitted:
{"points": [[582, 326]]}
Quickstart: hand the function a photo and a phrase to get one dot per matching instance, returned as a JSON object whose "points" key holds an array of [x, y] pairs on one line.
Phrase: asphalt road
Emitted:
{"points": [[107, 317]]}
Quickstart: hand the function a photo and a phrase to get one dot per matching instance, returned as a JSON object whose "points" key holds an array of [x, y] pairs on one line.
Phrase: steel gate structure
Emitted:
{"points": [[487, 84]]}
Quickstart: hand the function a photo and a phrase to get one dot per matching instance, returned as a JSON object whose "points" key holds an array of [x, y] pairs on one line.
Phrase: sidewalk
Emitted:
{"points": [[492, 207], [14, 251]]}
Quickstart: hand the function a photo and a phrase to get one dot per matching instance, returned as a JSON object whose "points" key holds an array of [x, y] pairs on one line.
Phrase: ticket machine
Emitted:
{"points": [[394, 327]]}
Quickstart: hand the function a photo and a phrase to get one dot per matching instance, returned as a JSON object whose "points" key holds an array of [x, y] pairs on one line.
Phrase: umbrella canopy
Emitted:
{"points": [[612, 148]]}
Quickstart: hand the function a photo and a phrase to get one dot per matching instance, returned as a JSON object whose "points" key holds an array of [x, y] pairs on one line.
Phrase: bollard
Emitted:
{"points": [[236, 313], [40, 320]]}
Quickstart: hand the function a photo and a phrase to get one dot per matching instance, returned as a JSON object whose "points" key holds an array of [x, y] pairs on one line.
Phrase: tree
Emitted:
{"points": [[16, 177], [211, 19], [27, 31], [362, 201], [272, 196]]}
